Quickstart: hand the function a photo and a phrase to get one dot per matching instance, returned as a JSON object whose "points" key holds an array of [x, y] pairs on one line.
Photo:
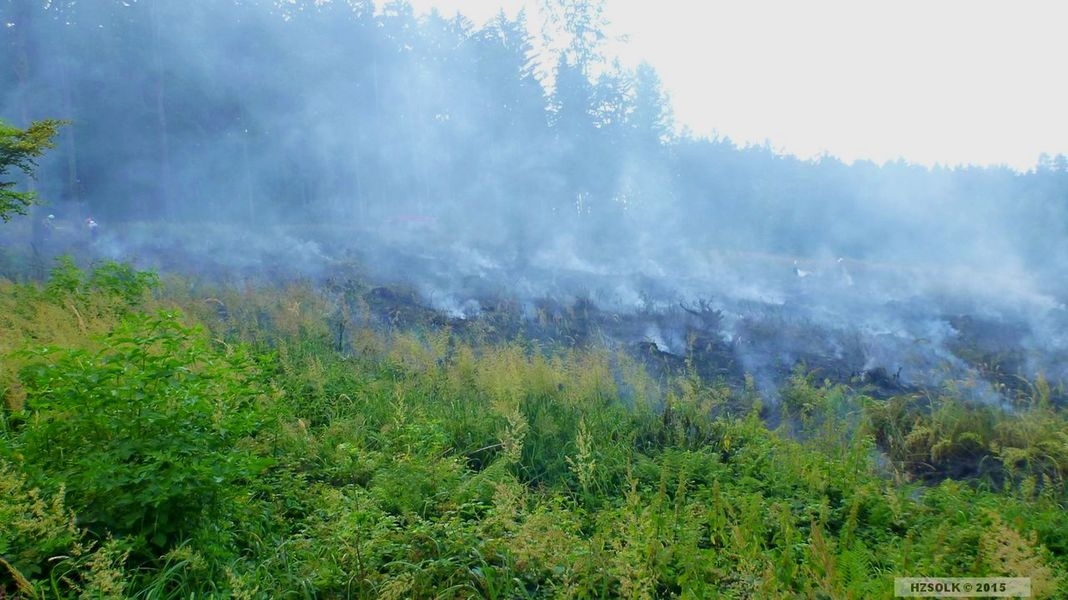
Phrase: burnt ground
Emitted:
{"points": [[872, 328], [770, 345], [760, 325]]}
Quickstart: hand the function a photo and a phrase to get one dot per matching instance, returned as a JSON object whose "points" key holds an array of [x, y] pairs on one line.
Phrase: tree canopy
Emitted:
{"points": [[351, 113], [19, 151]]}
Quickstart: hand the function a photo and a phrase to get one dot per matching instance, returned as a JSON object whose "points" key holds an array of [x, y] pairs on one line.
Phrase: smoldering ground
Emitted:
{"points": [[334, 141], [889, 329]]}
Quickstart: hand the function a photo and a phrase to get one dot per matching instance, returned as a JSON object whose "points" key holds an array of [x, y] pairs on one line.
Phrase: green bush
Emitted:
{"points": [[110, 279], [146, 434], [123, 281]]}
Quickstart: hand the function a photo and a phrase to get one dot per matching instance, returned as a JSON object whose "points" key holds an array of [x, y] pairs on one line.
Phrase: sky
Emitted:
{"points": [[931, 81]]}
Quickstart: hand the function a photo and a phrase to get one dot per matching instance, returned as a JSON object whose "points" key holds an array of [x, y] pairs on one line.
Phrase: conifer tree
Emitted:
{"points": [[19, 150]]}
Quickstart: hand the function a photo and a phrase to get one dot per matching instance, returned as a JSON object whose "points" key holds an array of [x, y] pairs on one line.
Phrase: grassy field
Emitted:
{"points": [[170, 439]]}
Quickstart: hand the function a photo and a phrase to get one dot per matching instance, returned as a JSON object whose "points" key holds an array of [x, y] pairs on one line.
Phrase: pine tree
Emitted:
{"points": [[19, 150]]}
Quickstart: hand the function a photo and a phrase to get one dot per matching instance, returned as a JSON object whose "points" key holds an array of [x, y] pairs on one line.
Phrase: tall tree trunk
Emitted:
{"points": [[250, 205], [23, 20], [305, 197], [165, 188], [74, 186], [360, 197], [379, 189]]}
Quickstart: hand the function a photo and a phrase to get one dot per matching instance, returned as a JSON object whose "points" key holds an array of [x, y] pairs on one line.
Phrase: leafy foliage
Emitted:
{"points": [[423, 463], [19, 150], [145, 432]]}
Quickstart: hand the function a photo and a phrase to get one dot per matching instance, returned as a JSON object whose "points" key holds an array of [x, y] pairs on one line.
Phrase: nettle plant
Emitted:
{"points": [[116, 281], [148, 434]]}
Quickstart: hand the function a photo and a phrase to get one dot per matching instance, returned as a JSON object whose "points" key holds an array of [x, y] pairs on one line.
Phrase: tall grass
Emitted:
{"points": [[426, 463]]}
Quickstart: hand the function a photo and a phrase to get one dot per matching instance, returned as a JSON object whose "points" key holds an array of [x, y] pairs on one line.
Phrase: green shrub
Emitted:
{"points": [[146, 434], [123, 282], [64, 279]]}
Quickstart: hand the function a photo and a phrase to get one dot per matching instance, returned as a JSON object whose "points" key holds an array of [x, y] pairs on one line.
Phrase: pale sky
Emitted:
{"points": [[932, 81]]}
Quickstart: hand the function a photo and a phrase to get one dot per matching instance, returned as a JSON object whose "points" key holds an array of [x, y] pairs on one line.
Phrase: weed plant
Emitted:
{"points": [[172, 440]]}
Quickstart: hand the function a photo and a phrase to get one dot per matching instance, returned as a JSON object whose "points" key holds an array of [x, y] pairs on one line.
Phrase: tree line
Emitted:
{"points": [[307, 111]]}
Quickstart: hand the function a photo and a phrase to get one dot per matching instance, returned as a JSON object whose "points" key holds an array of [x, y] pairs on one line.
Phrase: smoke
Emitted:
{"points": [[262, 141]]}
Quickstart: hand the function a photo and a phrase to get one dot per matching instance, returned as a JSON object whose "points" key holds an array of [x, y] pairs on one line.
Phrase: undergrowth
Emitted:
{"points": [[166, 440]]}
